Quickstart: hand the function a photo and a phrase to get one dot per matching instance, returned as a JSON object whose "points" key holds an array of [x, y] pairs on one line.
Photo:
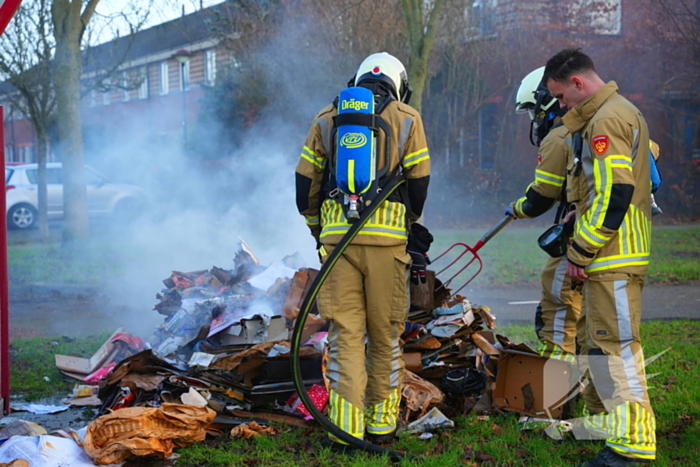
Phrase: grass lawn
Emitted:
{"points": [[33, 372], [498, 442], [675, 393], [511, 257], [37, 263]]}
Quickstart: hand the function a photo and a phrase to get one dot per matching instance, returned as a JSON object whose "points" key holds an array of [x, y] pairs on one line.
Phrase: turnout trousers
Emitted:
{"points": [[558, 312], [611, 354], [365, 298]]}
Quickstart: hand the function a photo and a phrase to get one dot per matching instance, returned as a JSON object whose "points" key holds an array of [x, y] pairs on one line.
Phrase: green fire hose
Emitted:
{"points": [[332, 259]]}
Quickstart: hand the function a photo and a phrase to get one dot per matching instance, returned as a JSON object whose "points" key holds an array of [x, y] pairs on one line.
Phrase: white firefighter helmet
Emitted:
{"points": [[532, 96], [385, 68]]}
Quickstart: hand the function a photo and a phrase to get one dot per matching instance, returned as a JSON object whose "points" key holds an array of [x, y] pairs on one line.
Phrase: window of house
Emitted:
{"points": [[482, 18], [184, 75], [488, 135], [16, 113], [691, 135], [9, 157], [26, 153], [107, 94], [164, 88], [603, 17], [143, 87], [124, 86], [210, 66]]}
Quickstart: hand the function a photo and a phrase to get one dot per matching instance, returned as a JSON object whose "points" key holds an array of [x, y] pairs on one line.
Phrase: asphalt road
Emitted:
{"points": [[659, 301], [74, 311]]}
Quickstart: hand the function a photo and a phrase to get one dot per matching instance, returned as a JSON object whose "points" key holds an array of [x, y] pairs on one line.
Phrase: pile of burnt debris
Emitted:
{"points": [[224, 345], [226, 335]]}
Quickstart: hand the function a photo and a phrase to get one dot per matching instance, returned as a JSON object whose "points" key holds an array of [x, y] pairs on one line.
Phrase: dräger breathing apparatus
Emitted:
{"points": [[356, 179], [355, 131]]}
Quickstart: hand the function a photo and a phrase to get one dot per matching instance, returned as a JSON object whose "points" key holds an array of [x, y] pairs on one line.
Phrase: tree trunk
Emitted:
{"points": [[68, 31], [42, 219], [417, 72], [422, 27]]}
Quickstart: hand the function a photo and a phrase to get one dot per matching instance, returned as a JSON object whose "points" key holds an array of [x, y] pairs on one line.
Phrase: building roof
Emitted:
{"points": [[188, 29]]}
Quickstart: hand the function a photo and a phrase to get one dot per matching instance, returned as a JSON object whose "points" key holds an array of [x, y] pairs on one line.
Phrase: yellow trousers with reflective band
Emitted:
{"points": [[558, 312], [611, 354], [365, 297]]}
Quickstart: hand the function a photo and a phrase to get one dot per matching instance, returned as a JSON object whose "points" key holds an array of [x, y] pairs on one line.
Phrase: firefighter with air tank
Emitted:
{"points": [[355, 147], [555, 319]]}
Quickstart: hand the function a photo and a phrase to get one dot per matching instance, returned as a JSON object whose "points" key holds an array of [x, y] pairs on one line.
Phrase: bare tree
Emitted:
{"points": [[421, 18], [70, 18], [26, 51], [685, 17]]}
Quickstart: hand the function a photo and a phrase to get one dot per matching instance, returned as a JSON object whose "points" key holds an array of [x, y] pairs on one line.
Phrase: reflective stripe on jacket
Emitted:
{"points": [[612, 193], [550, 174], [408, 148]]}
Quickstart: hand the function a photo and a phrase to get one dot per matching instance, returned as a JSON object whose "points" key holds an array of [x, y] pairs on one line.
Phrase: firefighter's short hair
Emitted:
{"points": [[567, 63]]}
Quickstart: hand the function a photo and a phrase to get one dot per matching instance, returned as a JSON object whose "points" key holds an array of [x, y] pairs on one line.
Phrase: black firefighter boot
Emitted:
{"points": [[609, 458]]}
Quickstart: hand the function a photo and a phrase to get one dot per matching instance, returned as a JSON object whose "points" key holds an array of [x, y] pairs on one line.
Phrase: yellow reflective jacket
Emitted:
{"points": [[387, 227], [550, 174], [612, 192]]}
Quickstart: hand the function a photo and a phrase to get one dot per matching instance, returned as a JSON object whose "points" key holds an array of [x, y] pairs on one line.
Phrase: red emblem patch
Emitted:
{"points": [[539, 158], [600, 144]]}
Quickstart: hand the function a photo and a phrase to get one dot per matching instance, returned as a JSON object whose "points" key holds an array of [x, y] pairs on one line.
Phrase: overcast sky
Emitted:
{"points": [[160, 12]]}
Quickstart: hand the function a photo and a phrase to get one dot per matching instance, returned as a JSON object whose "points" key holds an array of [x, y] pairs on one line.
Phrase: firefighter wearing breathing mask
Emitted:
{"points": [[365, 297], [559, 308]]}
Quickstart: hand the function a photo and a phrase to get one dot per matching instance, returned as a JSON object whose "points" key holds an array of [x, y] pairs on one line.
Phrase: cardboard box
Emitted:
{"points": [[85, 366], [252, 331], [531, 384]]}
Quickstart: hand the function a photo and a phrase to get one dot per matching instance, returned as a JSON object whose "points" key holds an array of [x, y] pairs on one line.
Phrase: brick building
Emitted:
{"points": [[633, 42], [144, 87]]}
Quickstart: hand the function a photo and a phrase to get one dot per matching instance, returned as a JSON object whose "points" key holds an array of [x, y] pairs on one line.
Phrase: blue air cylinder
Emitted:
{"points": [[355, 153]]}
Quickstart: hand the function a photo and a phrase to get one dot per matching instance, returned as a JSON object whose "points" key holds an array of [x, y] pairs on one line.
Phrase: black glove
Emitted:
{"points": [[420, 239], [418, 246], [419, 261]]}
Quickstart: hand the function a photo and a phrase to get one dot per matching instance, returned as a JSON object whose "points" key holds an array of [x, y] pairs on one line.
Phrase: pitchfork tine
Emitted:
{"points": [[474, 250]]}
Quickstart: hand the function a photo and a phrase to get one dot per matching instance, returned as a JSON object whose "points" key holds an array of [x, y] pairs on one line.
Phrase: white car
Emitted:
{"points": [[103, 196]]}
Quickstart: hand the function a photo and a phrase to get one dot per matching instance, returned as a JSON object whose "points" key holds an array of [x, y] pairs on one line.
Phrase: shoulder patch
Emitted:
{"points": [[600, 144], [539, 158]]}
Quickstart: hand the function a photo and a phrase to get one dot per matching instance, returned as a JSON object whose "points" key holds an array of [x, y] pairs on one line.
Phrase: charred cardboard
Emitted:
{"points": [[482, 342], [298, 288], [413, 361], [251, 331], [531, 384], [85, 366], [313, 324]]}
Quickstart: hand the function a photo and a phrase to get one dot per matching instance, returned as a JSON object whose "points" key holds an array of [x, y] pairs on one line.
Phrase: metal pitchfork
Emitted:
{"points": [[468, 249]]}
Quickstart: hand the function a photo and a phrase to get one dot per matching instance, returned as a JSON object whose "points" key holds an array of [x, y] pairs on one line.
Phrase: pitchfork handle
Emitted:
{"points": [[492, 231]]}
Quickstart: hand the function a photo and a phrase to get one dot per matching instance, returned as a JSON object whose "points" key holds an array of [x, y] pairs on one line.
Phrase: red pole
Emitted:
{"points": [[4, 285], [7, 11]]}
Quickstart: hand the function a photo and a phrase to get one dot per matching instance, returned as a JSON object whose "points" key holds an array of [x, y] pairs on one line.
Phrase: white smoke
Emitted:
{"points": [[202, 208]]}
